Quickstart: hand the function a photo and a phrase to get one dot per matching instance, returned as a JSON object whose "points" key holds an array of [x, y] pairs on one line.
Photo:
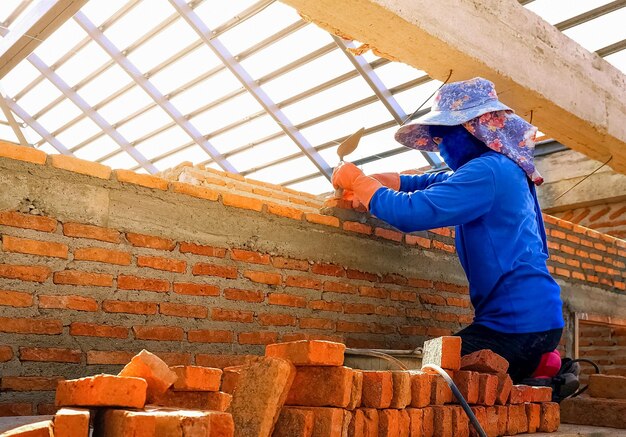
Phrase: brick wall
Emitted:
{"points": [[604, 344], [96, 265], [609, 218]]}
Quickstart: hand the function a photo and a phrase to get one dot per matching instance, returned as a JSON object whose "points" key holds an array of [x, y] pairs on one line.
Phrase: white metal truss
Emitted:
{"points": [[11, 119]]}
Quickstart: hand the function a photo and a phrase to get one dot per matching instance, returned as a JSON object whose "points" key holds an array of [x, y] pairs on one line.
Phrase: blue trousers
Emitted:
{"points": [[522, 351]]}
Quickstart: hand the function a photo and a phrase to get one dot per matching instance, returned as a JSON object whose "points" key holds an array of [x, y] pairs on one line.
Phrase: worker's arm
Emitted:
{"points": [[413, 182], [462, 197]]}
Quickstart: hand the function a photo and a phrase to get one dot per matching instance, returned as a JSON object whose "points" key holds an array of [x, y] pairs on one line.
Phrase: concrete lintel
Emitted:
{"points": [[46, 17], [576, 97]]}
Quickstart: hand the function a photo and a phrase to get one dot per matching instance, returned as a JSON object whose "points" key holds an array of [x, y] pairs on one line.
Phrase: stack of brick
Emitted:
{"points": [[146, 399], [328, 399], [604, 405]]}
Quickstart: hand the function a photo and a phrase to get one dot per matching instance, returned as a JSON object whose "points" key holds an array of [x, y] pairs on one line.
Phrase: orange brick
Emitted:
{"points": [[27, 221], [192, 400], [42, 428], [541, 394], [195, 191], [57, 355], [357, 227], [102, 390], [326, 220], [421, 388], [198, 249], [504, 389], [263, 277], [377, 389], [485, 361], [81, 166], [209, 336], [250, 256], [443, 246], [284, 211], [376, 292], [328, 269], [316, 323], [266, 319], [243, 202], [227, 272], [77, 277], [77, 303], [31, 326], [70, 422], [440, 391], [196, 378], [460, 422], [130, 307], [389, 423], [34, 247], [333, 386], [404, 296], [164, 333], [359, 308], [550, 417], [388, 234], [223, 315], [183, 310], [533, 415], [98, 254], [109, 357], [150, 241], [30, 383], [22, 153], [152, 369], [94, 330], [159, 263], [488, 389], [340, 287], [308, 353], [444, 352], [344, 326], [323, 305], [415, 240], [294, 422], [257, 337], [517, 422], [468, 384], [521, 394], [15, 299], [288, 300], [16, 409], [193, 289], [244, 295], [363, 276], [290, 264], [144, 180], [303, 282], [125, 282], [401, 389], [6, 354], [442, 421], [92, 232], [24, 273]]}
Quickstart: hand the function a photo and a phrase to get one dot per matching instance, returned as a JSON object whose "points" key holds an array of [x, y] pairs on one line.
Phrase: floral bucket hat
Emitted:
{"points": [[474, 104]]}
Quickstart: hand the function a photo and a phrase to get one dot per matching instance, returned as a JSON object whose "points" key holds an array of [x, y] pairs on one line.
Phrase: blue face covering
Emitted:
{"points": [[457, 146]]}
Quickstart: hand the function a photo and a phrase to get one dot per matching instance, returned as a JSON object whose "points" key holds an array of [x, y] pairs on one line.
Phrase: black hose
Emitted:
{"points": [[584, 360], [459, 397]]}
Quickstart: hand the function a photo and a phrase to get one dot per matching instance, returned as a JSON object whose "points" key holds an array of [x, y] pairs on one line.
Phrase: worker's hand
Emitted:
{"points": [[345, 174], [389, 180]]}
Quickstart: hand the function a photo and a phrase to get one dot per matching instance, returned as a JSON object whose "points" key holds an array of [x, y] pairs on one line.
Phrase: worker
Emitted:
{"points": [[489, 195]]}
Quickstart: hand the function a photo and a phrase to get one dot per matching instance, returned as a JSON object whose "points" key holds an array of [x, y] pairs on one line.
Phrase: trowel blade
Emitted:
{"points": [[350, 144]]}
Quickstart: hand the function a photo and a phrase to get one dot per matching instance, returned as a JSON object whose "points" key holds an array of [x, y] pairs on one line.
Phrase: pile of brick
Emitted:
{"points": [[604, 404], [327, 399], [146, 399]]}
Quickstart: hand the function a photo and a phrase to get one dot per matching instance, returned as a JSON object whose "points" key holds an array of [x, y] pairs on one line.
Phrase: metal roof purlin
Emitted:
{"points": [[381, 91], [152, 91], [253, 88], [91, 113]]}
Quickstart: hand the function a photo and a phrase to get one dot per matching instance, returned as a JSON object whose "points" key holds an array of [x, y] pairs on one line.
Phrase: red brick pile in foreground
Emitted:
{"points": [[605, 404], [300, 389]]}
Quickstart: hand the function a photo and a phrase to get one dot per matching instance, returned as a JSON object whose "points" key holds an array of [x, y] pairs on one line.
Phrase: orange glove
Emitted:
{"points": [[349, 177], [389, 180]]}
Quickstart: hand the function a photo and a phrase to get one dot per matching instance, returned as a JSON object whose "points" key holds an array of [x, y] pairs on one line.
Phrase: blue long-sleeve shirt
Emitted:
{"points": [[500, 238]]}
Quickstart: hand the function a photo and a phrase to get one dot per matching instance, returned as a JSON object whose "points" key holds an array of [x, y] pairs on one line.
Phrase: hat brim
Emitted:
{"points": [[417, 135]]}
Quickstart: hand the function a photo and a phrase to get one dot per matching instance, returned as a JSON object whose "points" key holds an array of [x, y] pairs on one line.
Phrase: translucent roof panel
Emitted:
{"points": [[318, 185], [285, 172], [97, 149], [205, 91], [264, 153], [214, 16], [20, 76], [38, 97], [163, 142], [397, 73], [144, 17], [245, 133], [83, 63], [144, 123], [99, 11], [121, 160], [194, 154], [404, 160], [592, 35], [231, 111], [412, 98], [169, 41], [618, 60], [313, 73], [59, 115], [105, 85], [125, 105], [78, 133], [60, 42]]}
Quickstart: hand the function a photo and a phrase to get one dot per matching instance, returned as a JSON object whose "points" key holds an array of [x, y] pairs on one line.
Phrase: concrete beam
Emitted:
{"points": [[575, 96], [46, 17], [562, 170]]}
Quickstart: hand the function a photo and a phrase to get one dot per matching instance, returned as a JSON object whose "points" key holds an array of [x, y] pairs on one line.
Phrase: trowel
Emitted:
{"points": [[346, 147]]}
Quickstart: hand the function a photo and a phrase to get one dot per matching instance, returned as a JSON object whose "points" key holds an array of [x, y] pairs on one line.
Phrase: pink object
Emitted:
{"points": [[549, 365]]}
